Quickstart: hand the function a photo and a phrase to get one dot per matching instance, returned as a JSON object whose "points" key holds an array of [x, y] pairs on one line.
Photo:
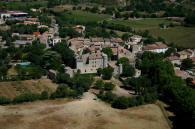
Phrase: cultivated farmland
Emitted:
{"points": [[180, 35]]}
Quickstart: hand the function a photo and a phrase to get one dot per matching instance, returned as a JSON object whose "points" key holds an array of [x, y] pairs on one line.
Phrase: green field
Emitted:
{"points": [[19, 5], [141, 24], [182, 36], [82, 16]]}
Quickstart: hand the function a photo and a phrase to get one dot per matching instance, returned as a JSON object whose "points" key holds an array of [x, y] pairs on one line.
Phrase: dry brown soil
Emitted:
{"points": [[14, 88], [79, 114]]}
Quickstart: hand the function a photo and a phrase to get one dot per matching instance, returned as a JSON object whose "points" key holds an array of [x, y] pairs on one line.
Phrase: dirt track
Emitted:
{"points": [[79, 114]]}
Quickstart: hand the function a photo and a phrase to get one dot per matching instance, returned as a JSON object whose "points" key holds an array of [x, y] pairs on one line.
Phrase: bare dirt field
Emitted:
{"points": [[14, 88], [80, 114]]}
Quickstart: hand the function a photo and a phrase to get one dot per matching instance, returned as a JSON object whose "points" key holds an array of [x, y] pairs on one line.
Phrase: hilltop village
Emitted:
{"points": [[88, 52], [125, 69]]}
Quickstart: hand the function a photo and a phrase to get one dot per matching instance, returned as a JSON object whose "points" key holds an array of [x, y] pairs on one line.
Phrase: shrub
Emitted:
{"points": [[4, 100], [109, 86], [107, 73], [62, 91], [121, 103], [132, 101], [99, 84], [109, 97], [44, 95], [26, 97]]}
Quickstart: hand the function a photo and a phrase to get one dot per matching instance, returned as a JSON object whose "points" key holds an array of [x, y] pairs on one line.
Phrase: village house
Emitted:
{"points": [[55, 40], [32, 19], [1, 38], [89, 63], [42, 26], [8, 14], [28, 37], [182, 55], [179, 56], [116, 69], [79, 28], [136, 38], [2, 43], [75, 45], [116, 41], [193, 59], [31, 23], [123, 52], [52, 74], [2, 21], [35, 10], [107, 42], [134, 46], [137, 73], [174, 60], [182, 74], [99, 42], [190, 53], [157, 47], [21, 43]]}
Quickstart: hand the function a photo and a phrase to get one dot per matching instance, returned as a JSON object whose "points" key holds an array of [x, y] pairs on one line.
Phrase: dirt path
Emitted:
{"points": [[79, 114]]}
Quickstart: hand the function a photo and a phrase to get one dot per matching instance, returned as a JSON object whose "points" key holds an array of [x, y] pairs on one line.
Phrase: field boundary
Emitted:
{"points": [[165, 114]]}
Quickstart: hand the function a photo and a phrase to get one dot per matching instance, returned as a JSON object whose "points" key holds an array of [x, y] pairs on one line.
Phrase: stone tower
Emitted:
{"points": [[105, 60], [120, 68]]}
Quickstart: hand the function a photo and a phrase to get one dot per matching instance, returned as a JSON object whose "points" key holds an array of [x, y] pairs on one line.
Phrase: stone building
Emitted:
{"points": [[157, 47], [89, 63], [116, 69]]}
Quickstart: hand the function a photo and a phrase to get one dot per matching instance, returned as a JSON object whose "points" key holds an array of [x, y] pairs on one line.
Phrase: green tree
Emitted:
{"points": [[66, 54], [35, 53], [125, 36], [51, 60], [109, 97], [99, 84], [187, 64], [62, 91], [170, 51], [107, 73], [123, 61], [109, 86], [63, 78], [99, 71], [189, 82], [128, 70], [108, 52]]}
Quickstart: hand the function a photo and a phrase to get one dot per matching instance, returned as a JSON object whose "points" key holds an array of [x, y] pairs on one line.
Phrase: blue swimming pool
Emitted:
{"points": [[24, 63]]}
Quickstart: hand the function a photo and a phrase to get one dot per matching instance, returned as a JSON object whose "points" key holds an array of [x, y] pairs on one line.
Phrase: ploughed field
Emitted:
{"points": [[79, 114]]}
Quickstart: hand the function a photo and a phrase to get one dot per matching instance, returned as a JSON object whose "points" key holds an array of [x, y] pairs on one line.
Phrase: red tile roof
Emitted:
{"points": [[157, 45], [12, 12], [36, 33], [193, 82], [112, 64], [171, 58]]}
